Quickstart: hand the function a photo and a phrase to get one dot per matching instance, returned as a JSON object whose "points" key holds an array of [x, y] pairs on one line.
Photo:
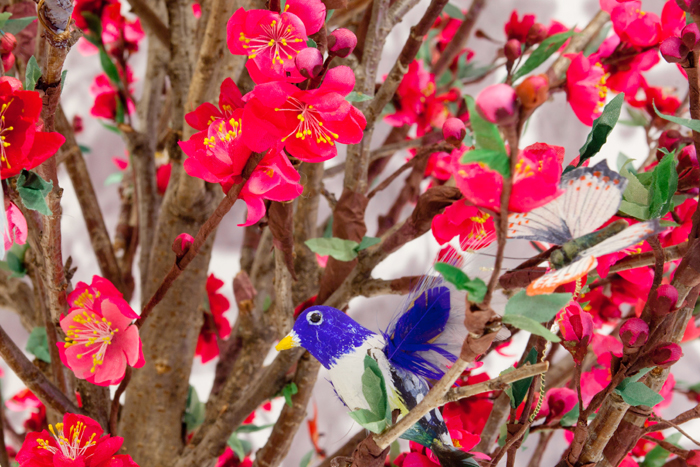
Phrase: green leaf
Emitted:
{"points": [[637, 118], [329, 14], [113, 178], [112, 128], [664, 182], [64, 73], [571, 417], [94, 24], [328, 231], [338, 248], [602, 127], [14, 261], [306, 460], [236, 446], [32, 74], [455, 276], [471, 70], [519, 389], [636, 393], [311, 43], [635, 192], [368, 242], [374, 389], [634, 210], [369, 420], [486, 133], [453, 12], [194, 411], [119, 114], [496, 160], [38, 344], [288, 391], [253, 428], [545, 50], [530, 325], [15, 26], [267, 302], [357, 97], [32, 190], [109, 67], [657, 456], [686, 122], [4, 17], [84, 149], [540, 308]]}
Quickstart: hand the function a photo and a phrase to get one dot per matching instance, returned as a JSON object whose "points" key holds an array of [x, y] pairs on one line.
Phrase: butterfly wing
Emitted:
{"points": [[544, 224], [592, 196], [625, 239], [550, 281]]}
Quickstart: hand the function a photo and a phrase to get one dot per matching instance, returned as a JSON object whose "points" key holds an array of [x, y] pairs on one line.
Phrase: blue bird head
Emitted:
{"points": [[327, 333]]}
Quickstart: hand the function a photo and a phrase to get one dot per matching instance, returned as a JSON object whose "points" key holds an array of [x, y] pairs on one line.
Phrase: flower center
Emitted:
{"points": [[95, 333], [224, 132], [275, 38], [309, 122], [69, 445], [3, 134]]}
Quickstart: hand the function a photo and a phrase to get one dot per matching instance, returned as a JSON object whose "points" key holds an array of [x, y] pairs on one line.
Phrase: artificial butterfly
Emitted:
{"points": [[592, 195]]}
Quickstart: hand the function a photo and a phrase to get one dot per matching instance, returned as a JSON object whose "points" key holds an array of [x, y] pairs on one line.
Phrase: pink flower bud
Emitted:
{"points": [[77, 124], [15, 84], [688, 170], [182, 244], [668, 140], [512, 50], [673, 50], [8, 61], [664, 300], [537, 33], [634, 333], [666, 354], [691, 36], [693, 457], [576, 328], [498, 104], [454, 131], [309, 62], [7, 43], [533, 91], [342, 42], [689, 6]]}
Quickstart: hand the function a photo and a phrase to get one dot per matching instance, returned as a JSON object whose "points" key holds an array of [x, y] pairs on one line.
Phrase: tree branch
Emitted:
{"points": [[33, 378], [459, 40]]}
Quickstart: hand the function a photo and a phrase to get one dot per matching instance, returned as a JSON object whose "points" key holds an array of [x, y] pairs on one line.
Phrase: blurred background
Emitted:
{"points": [[554, 124]]}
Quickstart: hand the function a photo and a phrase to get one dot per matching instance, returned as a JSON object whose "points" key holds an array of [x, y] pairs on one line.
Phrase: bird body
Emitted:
{"points": [[412, 349]]}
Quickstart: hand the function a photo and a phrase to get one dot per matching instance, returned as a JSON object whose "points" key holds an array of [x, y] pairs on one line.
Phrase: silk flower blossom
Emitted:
{"points": [[272, 40], [307, 123], [100, 340]]}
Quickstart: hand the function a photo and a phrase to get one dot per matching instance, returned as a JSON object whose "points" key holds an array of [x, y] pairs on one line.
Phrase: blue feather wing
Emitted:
{"points": [[415, 330]]}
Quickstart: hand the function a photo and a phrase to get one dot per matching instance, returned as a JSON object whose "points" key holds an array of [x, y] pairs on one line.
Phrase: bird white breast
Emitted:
{"points": [[346, 374]]}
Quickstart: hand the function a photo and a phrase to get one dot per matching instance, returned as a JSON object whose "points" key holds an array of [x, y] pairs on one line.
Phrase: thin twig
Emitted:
{"points": [[460, 38], [495, 384], [114, 411], [209, 226]]}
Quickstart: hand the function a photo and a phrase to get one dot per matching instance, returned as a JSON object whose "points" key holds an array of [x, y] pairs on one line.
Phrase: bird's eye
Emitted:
{"points": [[315, 318]]}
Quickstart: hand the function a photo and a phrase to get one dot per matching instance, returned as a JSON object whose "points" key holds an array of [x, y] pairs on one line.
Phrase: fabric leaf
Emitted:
{"points": [[686, 122], [475, 287], [32, 190], [486, 133], [496, 160], [531, 326], [540, 308], [664, 183], [637, 393], [32, 74], [545, 50], [601, 129], [338, 248]]}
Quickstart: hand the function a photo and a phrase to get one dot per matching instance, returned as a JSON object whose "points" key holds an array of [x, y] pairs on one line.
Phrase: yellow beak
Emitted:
{"points": [[290, 341]]}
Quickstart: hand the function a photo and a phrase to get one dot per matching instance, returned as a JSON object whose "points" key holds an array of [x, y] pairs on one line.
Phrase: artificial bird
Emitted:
{"points": [[422, 340]]}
